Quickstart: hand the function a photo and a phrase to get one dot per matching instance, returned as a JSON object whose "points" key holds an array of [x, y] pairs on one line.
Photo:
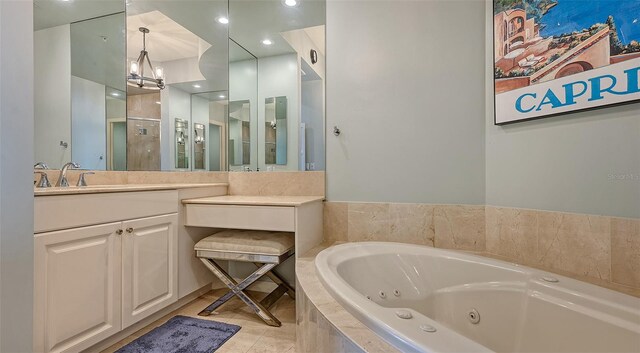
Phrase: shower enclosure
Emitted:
{"points": [[143, 144]]}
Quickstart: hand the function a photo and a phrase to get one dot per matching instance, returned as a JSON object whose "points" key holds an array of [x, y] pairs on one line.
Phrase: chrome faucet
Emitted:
{"points": [[62, 179], [40, 165], [81, 180], [44, 180]]}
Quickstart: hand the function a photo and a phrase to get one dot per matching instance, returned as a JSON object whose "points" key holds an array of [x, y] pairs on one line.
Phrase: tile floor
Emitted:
{"points": [[254, 337]]}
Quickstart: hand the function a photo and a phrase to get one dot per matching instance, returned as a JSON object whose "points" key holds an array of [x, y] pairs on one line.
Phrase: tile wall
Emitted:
{"points": [[597, 249]]}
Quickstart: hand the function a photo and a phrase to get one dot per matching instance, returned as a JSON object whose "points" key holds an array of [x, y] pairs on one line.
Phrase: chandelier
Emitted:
{"points": [[136, 70]]}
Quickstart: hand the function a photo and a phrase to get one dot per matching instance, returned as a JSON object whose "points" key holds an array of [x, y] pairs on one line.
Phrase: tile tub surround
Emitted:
{"points": [[323, 325], [601, 250], [455, 227]]}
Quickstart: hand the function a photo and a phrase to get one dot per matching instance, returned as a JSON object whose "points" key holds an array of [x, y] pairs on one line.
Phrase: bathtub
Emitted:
{"points": [[422, 299]]}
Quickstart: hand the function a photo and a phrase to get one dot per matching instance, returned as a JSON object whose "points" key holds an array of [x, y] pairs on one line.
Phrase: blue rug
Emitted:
{"points": [[183, 334]]}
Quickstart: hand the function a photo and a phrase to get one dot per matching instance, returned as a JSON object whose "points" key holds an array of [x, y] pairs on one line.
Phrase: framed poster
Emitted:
{"points": [[559, 56]]}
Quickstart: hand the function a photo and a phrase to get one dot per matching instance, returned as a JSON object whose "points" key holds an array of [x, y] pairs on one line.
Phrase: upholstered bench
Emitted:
{"points": [[265, 249]]}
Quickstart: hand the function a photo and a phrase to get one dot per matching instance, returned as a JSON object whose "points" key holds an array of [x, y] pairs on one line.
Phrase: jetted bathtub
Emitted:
{"points": [[422, 299]]}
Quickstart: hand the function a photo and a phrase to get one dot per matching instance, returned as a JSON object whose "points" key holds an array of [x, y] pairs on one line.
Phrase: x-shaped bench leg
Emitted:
{"points": [[237, 289], [277, 279]]}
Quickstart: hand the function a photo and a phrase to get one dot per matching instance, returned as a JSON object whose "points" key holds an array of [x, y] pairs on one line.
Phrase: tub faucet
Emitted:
{"points": [[62, 179]]}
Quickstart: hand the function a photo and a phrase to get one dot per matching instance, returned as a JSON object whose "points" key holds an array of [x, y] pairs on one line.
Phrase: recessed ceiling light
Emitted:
{"points": [[222, 20], [267, 42], [158, 102], [221, 96], [291, 3], [115, 94], [196, 86]]}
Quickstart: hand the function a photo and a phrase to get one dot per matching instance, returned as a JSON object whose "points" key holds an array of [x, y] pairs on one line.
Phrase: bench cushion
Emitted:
{"points": [[248, 242]]}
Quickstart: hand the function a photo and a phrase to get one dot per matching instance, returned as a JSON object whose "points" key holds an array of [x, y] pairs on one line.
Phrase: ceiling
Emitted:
{"points": [[316, 34], [238, 53], [167, 40], [51, 13], [179, 29], [196, 16], [97, 50], [251, 21], [201, 86], [200, 34], [218, 96]]}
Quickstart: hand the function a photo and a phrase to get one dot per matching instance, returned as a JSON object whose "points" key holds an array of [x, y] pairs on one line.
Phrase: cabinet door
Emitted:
{"points": [[149, 266], [76, 287]]}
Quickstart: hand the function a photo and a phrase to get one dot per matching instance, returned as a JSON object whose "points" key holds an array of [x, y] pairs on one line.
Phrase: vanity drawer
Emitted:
{"points": [[72, 211], [241, 217]]}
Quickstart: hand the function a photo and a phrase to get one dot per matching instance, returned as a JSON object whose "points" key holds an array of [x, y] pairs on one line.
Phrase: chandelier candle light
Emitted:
{"points": [[136, 71]]}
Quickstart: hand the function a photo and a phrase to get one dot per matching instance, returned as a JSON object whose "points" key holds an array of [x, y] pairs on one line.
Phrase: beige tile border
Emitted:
{"points": [[459, 227], [240, 183], [102, 177], [346, 324], [277, 183], [597, 249]]}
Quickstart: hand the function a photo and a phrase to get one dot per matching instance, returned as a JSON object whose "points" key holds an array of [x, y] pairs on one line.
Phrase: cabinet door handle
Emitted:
{"points": [[119, 231], [129, 230]]}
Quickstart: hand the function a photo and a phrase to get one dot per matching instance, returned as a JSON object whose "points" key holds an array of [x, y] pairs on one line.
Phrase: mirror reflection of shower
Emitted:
{"points": [[182, 143], [209, 119], [191, 50], [275, 136], [239, 133], [143, 143], [198, 146]]}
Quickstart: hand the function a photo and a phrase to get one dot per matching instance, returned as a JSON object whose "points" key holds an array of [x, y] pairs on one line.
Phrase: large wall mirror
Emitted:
{"points": [[275, 131], [209, 114], [285, 42], [184, 89], [80, 101], [243, 109], [180, 84]]}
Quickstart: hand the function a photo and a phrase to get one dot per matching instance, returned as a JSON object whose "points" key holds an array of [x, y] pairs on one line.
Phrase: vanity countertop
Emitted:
{"points": [[291, 201], [96, 189]]}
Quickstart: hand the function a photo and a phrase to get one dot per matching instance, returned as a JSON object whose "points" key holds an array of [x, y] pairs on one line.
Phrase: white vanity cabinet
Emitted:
{"points": [[301, 215], [149, 266], [77, 287], [93, 281]]}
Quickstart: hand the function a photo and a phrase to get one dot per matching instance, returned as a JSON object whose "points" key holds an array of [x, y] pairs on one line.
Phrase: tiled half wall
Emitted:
{"points": [[597, 249], [240, 183]]}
